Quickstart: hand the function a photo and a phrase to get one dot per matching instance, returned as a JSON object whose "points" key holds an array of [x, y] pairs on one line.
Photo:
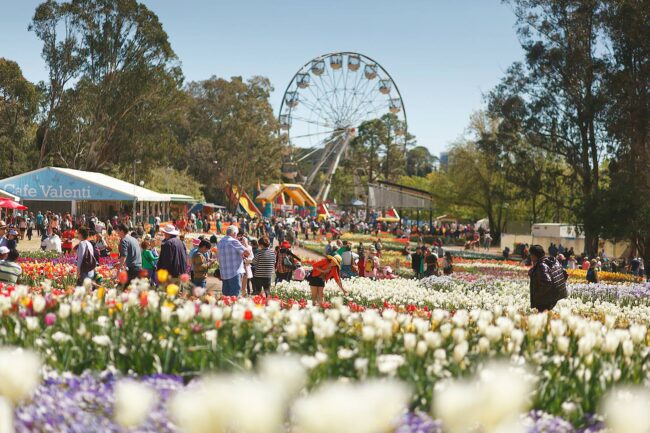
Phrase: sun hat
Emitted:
{"points": [[4, 250], [336, 259], [285, 244], [3, 225], [13, 232], [169, 229]]}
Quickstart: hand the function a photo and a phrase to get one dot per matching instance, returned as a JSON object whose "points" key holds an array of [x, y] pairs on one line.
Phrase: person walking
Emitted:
{"points": [[264, 266], [323, 271], [231, 262], [130, 255], [201, 264], [173, 254], [547, 280], [86, 261]]}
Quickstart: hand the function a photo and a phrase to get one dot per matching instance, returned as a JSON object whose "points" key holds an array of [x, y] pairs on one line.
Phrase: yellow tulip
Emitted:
{"points": [[172, 290], [163, 275]]}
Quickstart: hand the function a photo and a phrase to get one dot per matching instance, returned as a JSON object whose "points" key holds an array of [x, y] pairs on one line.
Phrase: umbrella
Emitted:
{"points": [[358, 203], [10, 204]]}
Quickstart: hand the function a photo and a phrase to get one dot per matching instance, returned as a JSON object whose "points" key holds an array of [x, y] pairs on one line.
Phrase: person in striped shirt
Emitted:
{"points": [[264, 265], [10, 271]]}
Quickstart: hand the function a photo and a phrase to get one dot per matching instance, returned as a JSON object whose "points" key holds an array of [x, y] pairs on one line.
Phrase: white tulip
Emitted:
{"points": [[102, 340], [628, 348], [133, 402], [627, 410], [64, 311], [61, 337], [6, 416], [370, 407], [19, 373], [433, 339], [165, 314], [460, 350], [563, 344], [368, 333], [285, 371], [410, 340], [38, 303], [421, 349], [638, 333], [32, 323], [75, 307]]}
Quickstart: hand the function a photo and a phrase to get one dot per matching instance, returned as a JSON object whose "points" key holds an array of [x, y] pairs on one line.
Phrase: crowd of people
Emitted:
{"points": [[568, 259], [256, 253]]}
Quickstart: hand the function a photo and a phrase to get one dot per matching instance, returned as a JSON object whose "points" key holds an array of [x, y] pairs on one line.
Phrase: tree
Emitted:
{"points": [[627, 26], [230, 122], [169, 180], [126, 89], [556, 98], [474, 183], [419, 161], [18, 107]]}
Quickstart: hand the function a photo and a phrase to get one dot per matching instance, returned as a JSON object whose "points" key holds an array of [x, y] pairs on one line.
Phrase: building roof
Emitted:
{"points": [[5, 194], [181, 198], [65, 184]]}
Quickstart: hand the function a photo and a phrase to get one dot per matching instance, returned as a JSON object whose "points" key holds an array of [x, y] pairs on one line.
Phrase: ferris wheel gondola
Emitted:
{"points": [[325, 103]]}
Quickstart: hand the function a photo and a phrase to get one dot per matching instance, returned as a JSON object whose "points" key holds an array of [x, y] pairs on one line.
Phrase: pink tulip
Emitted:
{"points": [[50, 319]]}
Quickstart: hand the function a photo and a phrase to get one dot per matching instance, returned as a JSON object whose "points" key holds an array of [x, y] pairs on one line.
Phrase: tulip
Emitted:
{"points": [[50, 319], [162, 275], [19, 373], [123, 277], [133, 402], [172, 290]]}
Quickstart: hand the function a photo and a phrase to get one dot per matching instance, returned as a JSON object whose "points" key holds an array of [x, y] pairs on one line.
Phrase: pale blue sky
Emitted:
{"points": [[443, 54]]}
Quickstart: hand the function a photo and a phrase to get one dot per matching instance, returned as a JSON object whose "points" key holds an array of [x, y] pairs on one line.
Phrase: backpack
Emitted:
{"points": [[88, 261]]}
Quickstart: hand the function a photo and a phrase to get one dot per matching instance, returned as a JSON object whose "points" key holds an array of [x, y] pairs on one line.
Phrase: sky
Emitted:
{"points": [[444, 55]]}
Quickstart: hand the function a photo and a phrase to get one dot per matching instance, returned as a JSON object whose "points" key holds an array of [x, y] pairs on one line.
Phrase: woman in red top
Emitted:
{"points": [[323, 271]]}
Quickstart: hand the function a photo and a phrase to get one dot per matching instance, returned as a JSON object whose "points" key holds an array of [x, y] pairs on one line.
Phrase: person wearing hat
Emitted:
{"points": [[4, 252], [322, 271], [3, 233], [12, 239], [285, 262], [372, 264], [173, 255]]}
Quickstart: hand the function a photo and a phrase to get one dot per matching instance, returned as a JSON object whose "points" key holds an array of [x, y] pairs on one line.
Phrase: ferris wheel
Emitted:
{"points": [[324, 104]]}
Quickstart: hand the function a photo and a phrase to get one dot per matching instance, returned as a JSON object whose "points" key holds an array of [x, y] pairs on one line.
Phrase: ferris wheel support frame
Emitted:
{"points": [[324, 190]]}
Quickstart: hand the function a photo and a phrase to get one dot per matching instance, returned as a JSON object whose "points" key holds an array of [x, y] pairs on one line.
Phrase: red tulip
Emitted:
{"points": [[123, 277]]}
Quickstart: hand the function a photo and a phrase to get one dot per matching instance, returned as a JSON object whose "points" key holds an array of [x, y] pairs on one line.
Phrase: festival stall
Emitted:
{"points": [[390, 216], [286, 198], [78, 192]]}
